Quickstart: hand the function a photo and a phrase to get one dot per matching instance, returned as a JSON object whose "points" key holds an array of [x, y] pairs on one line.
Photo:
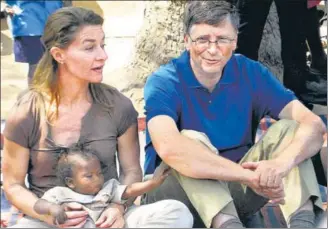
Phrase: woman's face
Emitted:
{"points": [[85, 57]]}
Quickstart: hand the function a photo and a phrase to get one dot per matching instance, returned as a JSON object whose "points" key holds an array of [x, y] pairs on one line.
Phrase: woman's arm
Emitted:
{"points": [[129, 156], [130, 172], [14, 167]]}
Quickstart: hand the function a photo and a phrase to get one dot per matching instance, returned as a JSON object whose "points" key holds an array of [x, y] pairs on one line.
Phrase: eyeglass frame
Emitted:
{"points": [[216, 42]]}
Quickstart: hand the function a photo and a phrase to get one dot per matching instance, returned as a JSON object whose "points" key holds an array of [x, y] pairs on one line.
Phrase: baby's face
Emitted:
{"points": [[88, 178]]}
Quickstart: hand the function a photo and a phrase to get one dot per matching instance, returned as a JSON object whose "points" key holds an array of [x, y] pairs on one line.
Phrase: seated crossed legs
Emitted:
{"points": [[227, 204]]}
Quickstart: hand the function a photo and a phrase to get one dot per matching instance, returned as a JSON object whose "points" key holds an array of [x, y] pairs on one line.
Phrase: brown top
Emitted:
{"points": [[100, 128]]}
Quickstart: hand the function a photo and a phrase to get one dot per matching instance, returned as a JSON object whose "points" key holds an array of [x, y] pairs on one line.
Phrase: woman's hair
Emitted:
{"points": [[65, 165], [60, 31]]}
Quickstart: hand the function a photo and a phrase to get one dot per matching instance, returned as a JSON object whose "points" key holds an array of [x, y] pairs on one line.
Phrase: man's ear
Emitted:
{"points": [[234, 44], [58, 54], [69, 182], [186, 42]]}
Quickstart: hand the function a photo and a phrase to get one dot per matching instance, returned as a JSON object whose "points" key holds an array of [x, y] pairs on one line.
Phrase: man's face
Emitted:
{"points": [[211, 59]]}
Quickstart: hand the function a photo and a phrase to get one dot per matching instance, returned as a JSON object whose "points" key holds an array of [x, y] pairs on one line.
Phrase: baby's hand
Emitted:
{"points": [[160, 174], [58, 214]]}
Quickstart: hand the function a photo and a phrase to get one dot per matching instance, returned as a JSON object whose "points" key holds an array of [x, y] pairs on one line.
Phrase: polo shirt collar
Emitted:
{"points": [[184, 68]]}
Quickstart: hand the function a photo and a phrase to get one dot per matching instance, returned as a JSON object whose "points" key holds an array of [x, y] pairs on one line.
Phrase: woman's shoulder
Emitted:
{"points": [[26, 101], [110, 94]]}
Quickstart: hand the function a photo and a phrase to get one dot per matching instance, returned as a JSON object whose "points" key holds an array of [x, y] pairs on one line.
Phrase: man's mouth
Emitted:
{"points": [[212, 61]]}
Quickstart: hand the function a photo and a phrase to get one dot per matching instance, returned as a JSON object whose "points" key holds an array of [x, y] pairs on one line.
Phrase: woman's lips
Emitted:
{"points": [[98, 69]]}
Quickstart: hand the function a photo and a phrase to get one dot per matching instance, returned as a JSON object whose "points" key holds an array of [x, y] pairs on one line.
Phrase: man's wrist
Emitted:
{"points": [[248, 177], [286, 162]]}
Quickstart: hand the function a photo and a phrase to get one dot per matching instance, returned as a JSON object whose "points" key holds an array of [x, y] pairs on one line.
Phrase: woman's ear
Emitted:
{"points": [[58, 54], [69, 182]]}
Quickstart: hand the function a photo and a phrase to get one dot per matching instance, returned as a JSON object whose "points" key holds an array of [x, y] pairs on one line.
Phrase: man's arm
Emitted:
{"points": [[307, 141], [192, 158], [308, 138]]}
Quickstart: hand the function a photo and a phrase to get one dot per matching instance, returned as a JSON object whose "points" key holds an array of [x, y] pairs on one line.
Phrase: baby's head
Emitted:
{"points": [[80, 171]]}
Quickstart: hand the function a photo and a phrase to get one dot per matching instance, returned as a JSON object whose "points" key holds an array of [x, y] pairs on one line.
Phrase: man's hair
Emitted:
{"points": [[66, 165], [210, 12]]}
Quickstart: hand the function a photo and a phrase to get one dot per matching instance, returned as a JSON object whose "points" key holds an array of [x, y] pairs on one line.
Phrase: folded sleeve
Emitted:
{"points": [[270, 94], [161, 97], [125, 114]]}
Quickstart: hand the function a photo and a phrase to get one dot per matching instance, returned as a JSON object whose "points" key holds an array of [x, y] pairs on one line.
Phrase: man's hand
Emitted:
{"points": [[275, 195], [112, 217], [271, 172]]}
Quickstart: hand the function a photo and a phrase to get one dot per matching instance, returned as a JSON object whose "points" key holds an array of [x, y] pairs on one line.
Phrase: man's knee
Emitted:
{"points": [[284, 125], [201, 137]]}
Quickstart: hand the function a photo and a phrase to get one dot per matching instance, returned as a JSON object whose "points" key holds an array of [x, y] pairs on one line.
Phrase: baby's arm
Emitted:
{"points": [[44, 207], [140, 188]]}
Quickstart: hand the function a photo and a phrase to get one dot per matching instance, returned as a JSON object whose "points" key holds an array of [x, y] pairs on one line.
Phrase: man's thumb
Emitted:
{"points": [[250, 165]]}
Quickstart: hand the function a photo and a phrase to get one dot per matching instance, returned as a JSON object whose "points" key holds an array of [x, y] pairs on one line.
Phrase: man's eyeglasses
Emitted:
{"points": [[203, 43]]}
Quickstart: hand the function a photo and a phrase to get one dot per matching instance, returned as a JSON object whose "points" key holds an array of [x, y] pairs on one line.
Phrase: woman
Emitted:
{"points": [[66, 107]]}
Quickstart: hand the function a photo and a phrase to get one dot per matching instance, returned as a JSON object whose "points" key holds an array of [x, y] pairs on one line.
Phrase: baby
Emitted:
{"points": [[82, 175]]}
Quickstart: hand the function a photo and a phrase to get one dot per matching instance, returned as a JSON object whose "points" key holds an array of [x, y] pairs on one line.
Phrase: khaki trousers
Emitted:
{"points": [[206, 198]]}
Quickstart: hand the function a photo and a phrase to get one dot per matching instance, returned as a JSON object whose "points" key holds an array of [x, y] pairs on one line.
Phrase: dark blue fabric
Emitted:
{"points": [[28, 49], [229, 115], [31, 16]]}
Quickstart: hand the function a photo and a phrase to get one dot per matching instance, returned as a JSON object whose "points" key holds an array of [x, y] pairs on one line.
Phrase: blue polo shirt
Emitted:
{"points": [[229, 116], [31, 16]]}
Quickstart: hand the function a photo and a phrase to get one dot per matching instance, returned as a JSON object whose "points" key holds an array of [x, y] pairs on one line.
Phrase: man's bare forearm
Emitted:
{"points": [[306, 143], [193, 159]]}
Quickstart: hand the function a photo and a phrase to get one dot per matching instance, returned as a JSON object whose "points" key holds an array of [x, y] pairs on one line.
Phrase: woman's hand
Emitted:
{"points": [[112, 217], [76, 216]]}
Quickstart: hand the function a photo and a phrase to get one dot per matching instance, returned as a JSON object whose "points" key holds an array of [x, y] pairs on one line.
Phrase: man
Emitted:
{"points": [[297, 24], [202, 112], [26, 20]]}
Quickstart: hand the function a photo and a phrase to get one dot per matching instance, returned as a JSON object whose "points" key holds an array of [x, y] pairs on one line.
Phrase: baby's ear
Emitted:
{"points": [[69, 182]]}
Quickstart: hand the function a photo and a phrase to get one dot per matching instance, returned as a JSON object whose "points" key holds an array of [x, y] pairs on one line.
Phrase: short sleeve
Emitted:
{"points": [[125, 114], [161, 97], [20, 122], [270, 95]]}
